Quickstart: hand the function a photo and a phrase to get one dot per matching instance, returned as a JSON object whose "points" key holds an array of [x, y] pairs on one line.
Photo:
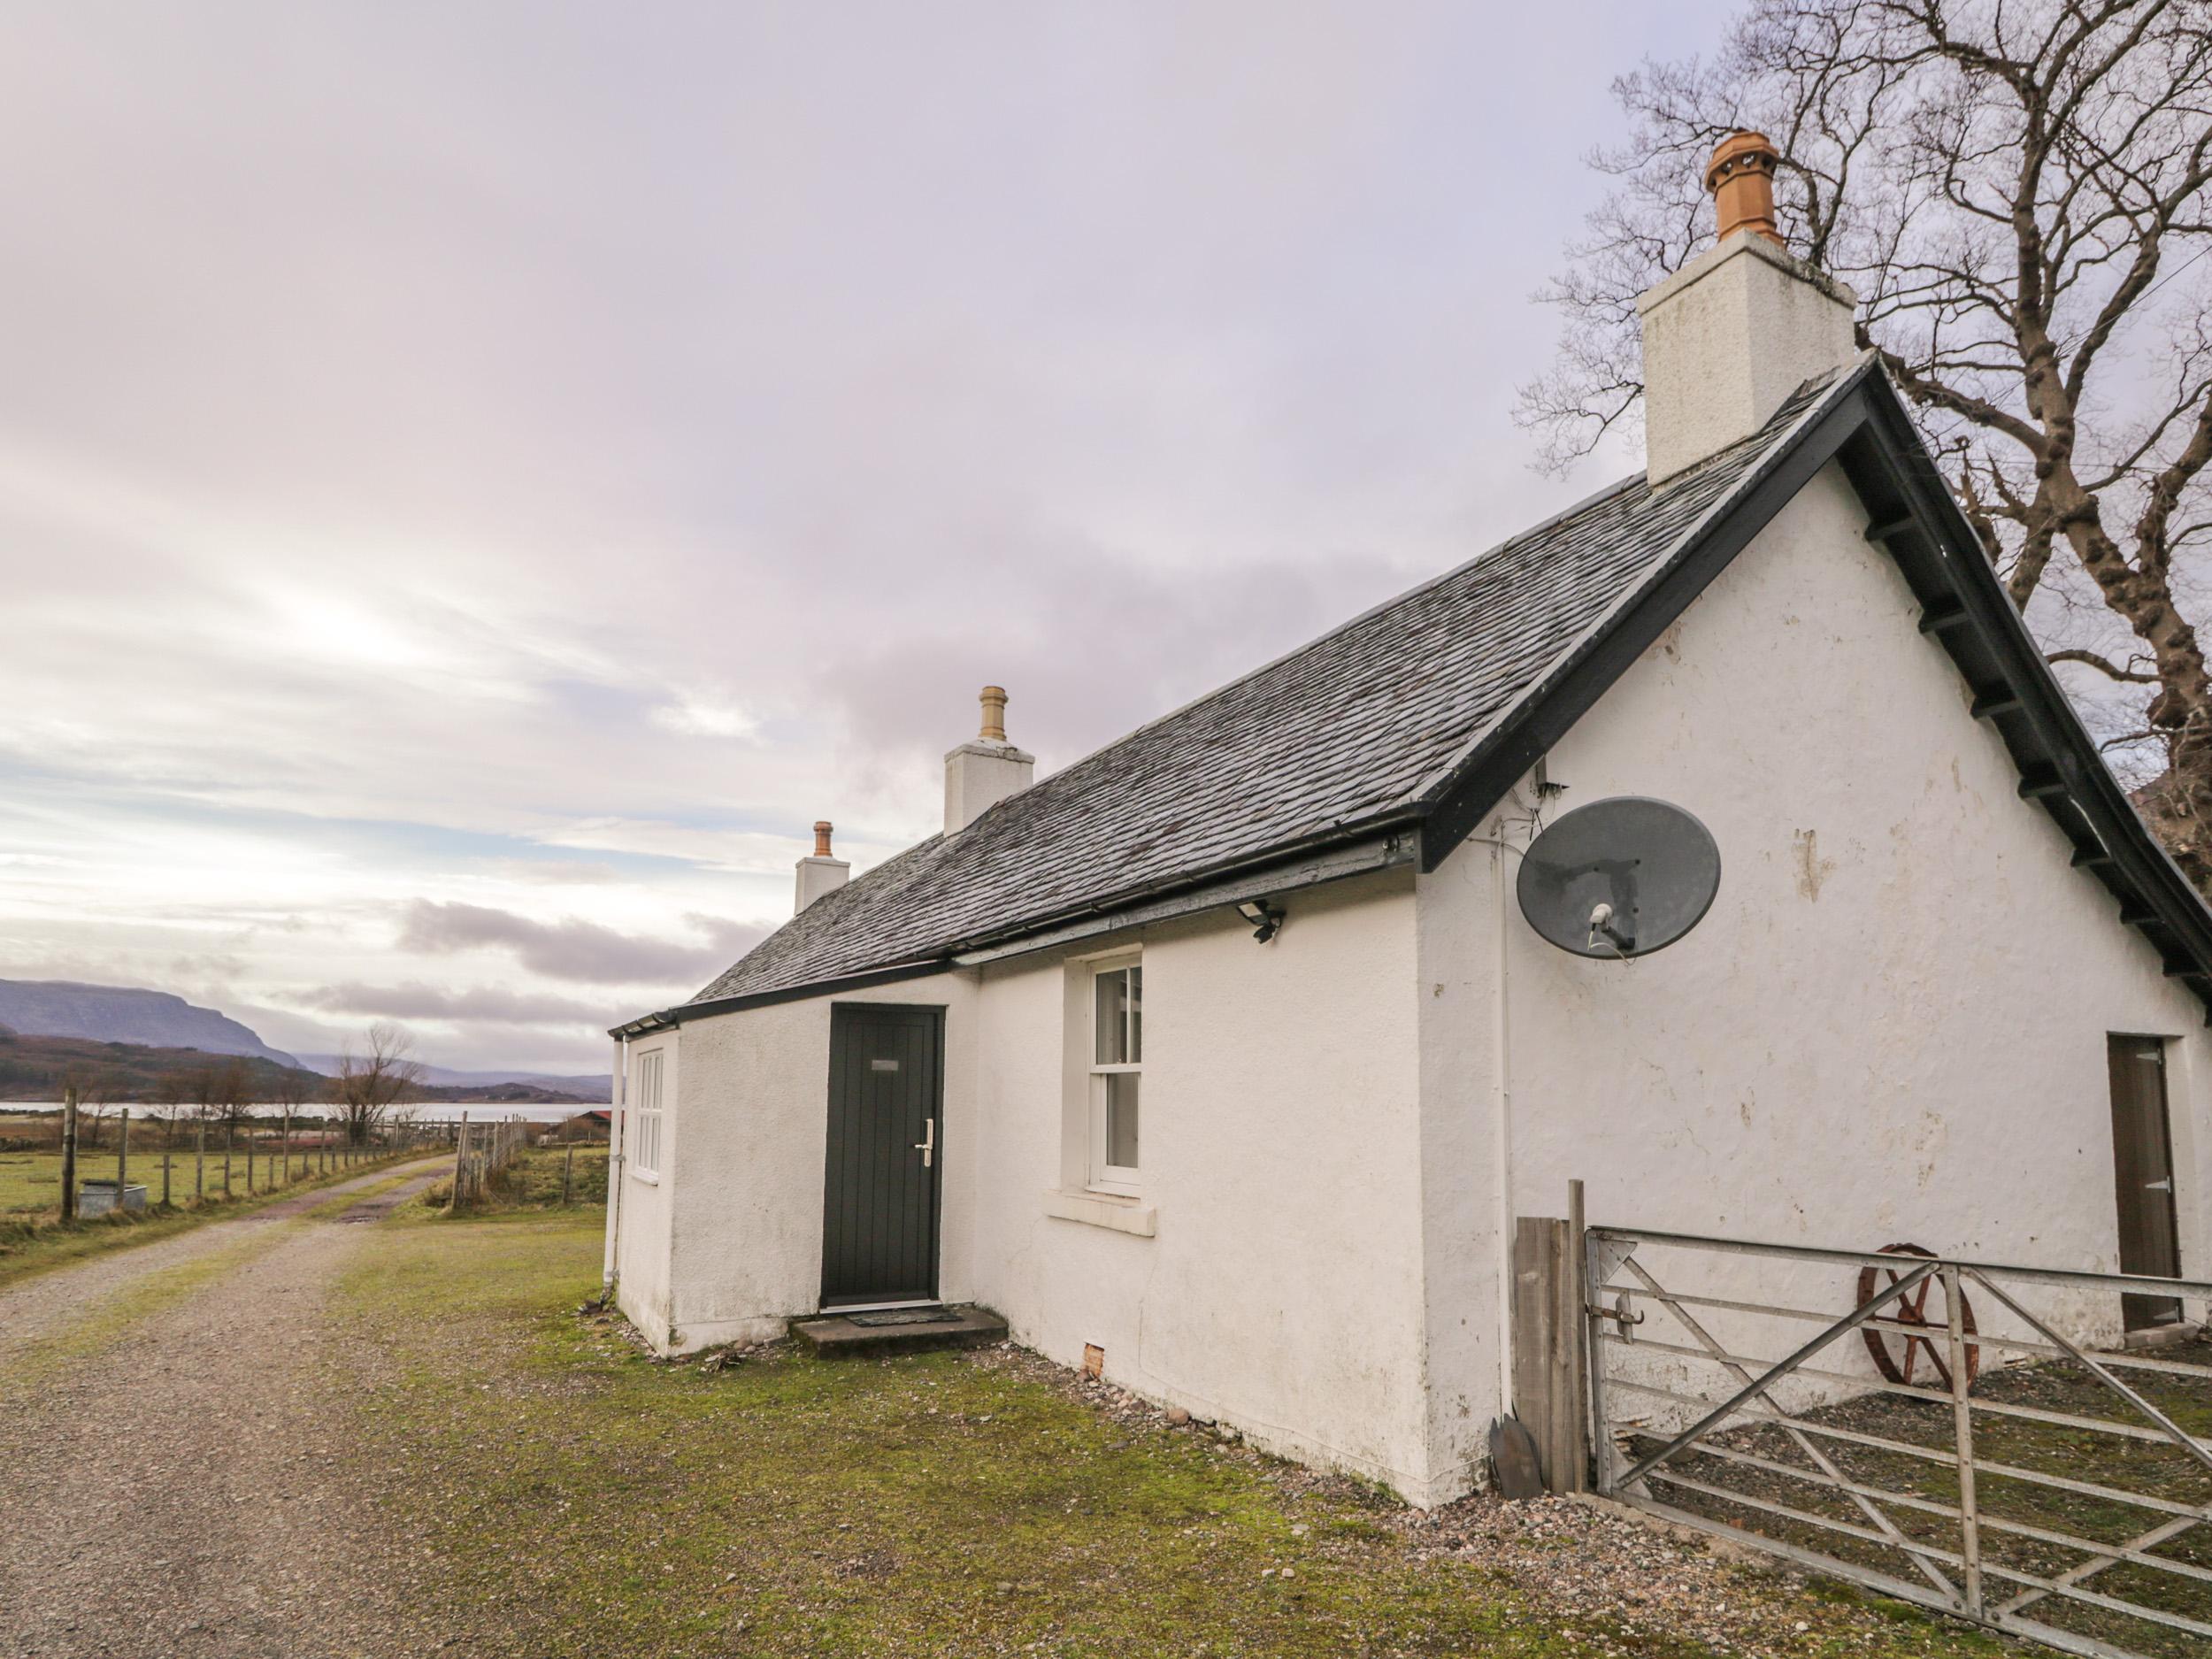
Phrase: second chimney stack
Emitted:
{"points": [[820, 873], [981, 775]]}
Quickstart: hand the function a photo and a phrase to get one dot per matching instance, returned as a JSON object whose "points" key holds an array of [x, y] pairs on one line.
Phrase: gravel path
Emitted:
{"points": [[41, 1306], [174, 1492]]}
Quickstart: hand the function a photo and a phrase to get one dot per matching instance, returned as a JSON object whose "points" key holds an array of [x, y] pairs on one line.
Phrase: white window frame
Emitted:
{"points": [[645, 1154], [1119, 1179]]}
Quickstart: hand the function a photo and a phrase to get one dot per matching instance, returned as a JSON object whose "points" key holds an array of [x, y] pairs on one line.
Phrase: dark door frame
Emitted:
{"points": [[839, 1014], [2142, 1207]]}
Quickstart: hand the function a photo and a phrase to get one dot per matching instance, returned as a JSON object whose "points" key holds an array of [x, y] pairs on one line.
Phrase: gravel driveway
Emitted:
{"points": [[165, 1454]]}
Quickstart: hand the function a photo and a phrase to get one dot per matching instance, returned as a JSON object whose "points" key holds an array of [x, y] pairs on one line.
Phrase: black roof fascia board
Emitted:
{"points": [[1950, 568], [1570, 689], [669, 1018], [1337, 861], [1965, 609]]}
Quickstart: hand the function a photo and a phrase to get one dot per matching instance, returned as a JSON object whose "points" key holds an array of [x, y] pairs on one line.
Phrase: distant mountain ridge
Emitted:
{"points": [[116, 1013], [589, 1087]]}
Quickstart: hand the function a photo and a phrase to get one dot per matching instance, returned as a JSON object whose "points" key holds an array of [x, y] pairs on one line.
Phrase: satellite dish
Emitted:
{"points": [[1619, 878]]}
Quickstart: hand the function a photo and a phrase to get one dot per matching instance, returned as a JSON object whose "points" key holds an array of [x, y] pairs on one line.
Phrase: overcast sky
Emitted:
{"points": [[477, 482]]}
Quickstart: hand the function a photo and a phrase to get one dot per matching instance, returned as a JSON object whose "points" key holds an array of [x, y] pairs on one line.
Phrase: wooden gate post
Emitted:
{"points": [[1547, 1348]]}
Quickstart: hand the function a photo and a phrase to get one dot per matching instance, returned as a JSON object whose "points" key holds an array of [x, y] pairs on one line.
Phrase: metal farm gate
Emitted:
{"points": [[1966, 1436]]}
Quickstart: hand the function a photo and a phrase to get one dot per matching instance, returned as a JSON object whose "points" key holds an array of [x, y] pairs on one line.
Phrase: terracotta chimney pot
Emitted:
{"points": [[995, 714], [1741, 178], [822, 827]]}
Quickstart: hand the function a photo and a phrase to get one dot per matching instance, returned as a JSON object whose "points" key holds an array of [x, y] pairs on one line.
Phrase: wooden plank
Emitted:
{"points": [[1546, 1333]]}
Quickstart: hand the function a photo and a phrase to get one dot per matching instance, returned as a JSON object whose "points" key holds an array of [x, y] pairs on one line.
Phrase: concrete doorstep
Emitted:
{"points": [[919, 1331]]}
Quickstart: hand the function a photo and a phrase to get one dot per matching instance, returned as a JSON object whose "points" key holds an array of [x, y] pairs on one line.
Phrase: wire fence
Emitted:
{"points": [[481, 1152], [84, 1162]]}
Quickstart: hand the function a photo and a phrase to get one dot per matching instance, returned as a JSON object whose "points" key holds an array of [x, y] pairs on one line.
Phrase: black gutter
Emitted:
{"points": [[669, 1018]]}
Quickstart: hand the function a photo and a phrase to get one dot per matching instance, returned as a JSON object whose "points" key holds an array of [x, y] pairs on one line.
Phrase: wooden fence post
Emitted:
{"points": [[568, 1176], [168, 1146], [199, 1158], [1546, 1347], [230, 1133], [460, 1162], [122, 1154], [69, 1153]]}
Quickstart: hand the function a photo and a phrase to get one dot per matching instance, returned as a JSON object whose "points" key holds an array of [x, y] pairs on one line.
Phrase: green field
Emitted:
{"points": [[30, 1182], [939, 1504]]}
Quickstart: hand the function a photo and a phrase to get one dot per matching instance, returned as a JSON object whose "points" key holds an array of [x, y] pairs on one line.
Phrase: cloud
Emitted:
{"points": [[558, 872], [482, 1005], [586, 952], [702, 718], [443, 561]]}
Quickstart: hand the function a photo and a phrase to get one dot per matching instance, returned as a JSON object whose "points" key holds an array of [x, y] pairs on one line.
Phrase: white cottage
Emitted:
{"points": [[1224, 1056]]}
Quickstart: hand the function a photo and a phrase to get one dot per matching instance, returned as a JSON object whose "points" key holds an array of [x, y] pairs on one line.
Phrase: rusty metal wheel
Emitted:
{"points": [[1897, 1354]]}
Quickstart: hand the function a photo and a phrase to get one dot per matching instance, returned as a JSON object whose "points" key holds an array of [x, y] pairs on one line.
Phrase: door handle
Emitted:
{"points": [[927, 1145], [2166, 1186]]}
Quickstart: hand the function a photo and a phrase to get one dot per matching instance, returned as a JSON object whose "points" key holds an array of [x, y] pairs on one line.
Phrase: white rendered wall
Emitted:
{"points": [[1279, 1292], [640, 1231], [746, 1244], [1891, 1026]]}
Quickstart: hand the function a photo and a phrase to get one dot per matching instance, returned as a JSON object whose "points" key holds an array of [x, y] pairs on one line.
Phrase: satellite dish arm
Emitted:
{"points": [[1602, 926]]}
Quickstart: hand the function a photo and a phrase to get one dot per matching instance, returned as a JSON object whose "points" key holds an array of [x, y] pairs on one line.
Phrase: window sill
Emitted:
{"points": [[645, 1178], [1102, 1210]]}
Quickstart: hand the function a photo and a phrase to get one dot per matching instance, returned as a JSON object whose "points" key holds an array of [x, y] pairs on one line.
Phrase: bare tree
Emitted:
{"points": [[2021, 192], [368, 1085], [230, 1090]]}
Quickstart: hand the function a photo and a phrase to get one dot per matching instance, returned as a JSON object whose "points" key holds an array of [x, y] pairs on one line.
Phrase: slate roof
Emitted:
{"points": [[1354, 730]]}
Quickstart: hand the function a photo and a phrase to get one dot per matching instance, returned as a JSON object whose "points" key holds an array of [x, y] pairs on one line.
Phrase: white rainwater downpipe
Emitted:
{"points": [[1503, 1149], [1502, 1118]]}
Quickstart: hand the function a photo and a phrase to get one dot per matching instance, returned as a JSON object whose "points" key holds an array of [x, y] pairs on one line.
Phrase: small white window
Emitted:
{"points": [[1116, 1074], [645, 1155]]}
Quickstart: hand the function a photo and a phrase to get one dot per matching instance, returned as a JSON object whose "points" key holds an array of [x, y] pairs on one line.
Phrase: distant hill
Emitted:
{"points": [[38, 1069], [600, 1088], [114, 1013]]}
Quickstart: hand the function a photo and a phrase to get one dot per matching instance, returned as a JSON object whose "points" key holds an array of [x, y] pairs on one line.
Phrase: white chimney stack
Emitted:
{"points": [[1729, 337], [981, 775], [820, 873]]}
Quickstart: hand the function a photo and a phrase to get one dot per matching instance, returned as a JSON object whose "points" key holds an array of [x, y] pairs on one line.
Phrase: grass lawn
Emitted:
{"points": [[535, 1178], [565, 1494]]}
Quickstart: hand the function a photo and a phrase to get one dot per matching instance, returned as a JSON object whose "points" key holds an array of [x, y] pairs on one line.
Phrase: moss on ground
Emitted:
{"points": [[584, 1499]]}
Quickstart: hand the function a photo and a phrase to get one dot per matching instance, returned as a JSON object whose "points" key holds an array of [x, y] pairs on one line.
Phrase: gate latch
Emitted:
{"points": [[927, 1145], [1619, 1314]]}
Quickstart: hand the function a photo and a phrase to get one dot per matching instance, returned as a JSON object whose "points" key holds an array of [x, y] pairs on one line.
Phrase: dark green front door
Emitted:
{"points": [[886, 1144]]}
